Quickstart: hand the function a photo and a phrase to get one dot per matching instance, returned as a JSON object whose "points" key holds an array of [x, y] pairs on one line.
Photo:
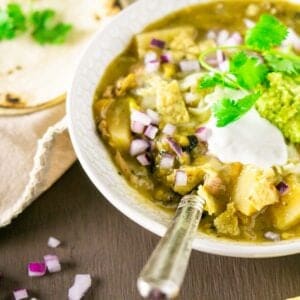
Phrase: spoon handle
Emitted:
{"points": [[164, 272]]}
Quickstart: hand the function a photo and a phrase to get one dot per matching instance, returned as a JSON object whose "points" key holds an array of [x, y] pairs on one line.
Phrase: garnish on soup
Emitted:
{"points": [[196, 98]]}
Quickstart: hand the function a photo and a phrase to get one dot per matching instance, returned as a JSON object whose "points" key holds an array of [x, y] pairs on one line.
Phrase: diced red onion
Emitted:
{"points": [[181, 178], [234, 40], [53, 242], [154, 116], [174, 146], [273, 236], [143, 159], [158, 43], [169, 129], [138, 146], [151, 132], [167, 161], [282, 188], [81, 285], [249, 23], [220, 56], [36, 269], [189, 66], [52, 263], [137, 127], [137, 116], [224, 66], [203, 134], [20, 294], [222, 37], [152, 66], [166, 57], [150, 56], [211, 35]]}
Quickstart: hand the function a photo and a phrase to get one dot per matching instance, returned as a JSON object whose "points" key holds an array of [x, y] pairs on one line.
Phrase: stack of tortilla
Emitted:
{"points": [[33, 76]]}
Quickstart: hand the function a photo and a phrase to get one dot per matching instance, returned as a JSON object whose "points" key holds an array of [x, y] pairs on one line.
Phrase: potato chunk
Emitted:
{"points": [[170, 104], [254, 190], [118, 124], [227, 223], [286, 214]]}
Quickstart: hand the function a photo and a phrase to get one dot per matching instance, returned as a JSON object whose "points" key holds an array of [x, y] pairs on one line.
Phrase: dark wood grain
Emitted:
{"points": [[101, 241]]}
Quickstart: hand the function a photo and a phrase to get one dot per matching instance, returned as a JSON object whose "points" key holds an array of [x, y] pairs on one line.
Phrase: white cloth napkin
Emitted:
{"points": [[18, 147]]}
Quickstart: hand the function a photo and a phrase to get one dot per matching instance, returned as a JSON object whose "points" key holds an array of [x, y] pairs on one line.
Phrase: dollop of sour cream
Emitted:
{"points": [[250, 140]]}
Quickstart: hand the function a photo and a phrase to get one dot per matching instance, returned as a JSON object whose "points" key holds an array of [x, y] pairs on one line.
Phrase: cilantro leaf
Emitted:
{"points": [[212, 80], [248, 70], [45, 30], [227, 110], [12, 21], [267, 33], [284, 63]]}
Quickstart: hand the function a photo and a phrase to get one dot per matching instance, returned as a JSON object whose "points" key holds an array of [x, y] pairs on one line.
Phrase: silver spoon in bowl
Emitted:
{"points": [[163, 274]]}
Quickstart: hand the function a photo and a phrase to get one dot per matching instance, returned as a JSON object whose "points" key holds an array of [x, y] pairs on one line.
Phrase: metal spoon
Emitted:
{"points": [[163, 274]]}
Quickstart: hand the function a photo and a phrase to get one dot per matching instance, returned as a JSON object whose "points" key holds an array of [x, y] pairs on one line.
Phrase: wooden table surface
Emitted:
{"points": [[99, 240]]}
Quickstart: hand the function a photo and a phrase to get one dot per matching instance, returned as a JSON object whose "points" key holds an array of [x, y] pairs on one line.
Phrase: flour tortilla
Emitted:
{"points": [[32, 76]]}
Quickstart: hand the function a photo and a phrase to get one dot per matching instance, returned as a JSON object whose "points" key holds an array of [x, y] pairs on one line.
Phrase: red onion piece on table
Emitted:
{"points": [[180, 178], [151, 132], [174, 146], [138, 146], [158, 43], [81, 285], [169, 129], [143, 159], [53, 242], [137, 116], [282, 188], [167, 161], [154, 116], [20, 294], [137, 127], [52, 263], [36, 269], [189, 66]]}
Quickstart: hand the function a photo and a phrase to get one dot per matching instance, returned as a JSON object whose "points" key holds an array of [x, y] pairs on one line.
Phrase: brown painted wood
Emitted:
{"points": [[101, 241]]}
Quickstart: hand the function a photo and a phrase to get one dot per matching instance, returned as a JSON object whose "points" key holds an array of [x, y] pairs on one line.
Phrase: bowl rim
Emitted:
{"points": [[204, 243]]}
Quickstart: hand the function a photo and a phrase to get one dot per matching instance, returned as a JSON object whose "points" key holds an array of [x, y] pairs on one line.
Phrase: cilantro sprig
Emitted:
{"points": [[45, 31], [249, 66], [12, 21], [227, 110], [41, 24]]}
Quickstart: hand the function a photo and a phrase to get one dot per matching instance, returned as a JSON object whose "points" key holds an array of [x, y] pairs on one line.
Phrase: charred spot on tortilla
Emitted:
{"points": [[10, 100]]}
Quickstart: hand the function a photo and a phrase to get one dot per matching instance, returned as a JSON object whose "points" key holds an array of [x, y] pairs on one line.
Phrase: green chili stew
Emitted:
{"points": [[211, 94]]}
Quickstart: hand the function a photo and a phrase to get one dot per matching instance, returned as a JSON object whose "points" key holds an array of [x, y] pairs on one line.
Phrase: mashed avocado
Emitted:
{"points": [[280, 104]]}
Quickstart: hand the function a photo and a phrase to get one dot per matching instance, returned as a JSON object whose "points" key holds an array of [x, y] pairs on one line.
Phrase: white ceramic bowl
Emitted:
{"points": [[106, 45]]}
